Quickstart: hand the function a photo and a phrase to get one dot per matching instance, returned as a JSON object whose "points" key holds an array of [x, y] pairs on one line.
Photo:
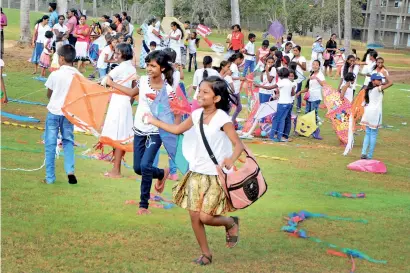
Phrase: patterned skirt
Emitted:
{"points": [[201, 193]]}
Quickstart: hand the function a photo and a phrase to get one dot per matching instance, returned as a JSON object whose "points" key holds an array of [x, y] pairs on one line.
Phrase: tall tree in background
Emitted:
{"points": [[373, 9], [94, 8], [348, 25], [339, 31], [62, 6], [25, 35], [236, 16], [169, 8], [35, 5], [81, 5], [285, 15]]}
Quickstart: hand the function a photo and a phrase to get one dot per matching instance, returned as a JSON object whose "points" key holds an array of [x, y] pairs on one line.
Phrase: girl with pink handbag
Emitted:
{"points": [[201, 191]]}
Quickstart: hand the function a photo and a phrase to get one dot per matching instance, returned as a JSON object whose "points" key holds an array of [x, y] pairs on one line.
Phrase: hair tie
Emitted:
{"points": [[284, 60]]}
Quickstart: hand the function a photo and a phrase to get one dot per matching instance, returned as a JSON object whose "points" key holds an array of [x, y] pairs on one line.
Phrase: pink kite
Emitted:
{"points": [[366, 165]]}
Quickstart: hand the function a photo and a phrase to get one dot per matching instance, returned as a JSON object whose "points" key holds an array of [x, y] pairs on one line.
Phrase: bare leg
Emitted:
{"points": [[330, 71], [200, 234], [218, 220], [79, 65], [43, 72], [116, 169], [35, 69]]}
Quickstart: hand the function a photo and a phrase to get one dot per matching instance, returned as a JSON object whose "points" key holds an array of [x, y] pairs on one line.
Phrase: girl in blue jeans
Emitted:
{"points": [[372, 117], [146, 139]]}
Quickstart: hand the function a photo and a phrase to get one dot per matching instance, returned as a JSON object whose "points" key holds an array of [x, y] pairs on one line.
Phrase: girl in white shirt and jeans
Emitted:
{"points": [[200, 191]]}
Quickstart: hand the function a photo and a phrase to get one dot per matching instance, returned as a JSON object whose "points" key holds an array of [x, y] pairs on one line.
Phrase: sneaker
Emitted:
{"points": [[72, 179], [173, 177], [363, 157]]}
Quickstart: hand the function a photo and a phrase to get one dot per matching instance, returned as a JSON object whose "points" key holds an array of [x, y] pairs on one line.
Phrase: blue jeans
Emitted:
{"points": [[172, 165], [313, 105], [278, 125], [288, 123], [102, 72], [264, 97], [299, 98], [145, 150], [238, 107], [369, 141], [55, 124], [248, 65]]}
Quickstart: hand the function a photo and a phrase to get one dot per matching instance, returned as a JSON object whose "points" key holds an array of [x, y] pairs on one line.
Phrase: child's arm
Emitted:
{"points": [[229, 130], [387, 84], [257, 56], [340, 83], [293, 91], [132, 92], [175, 129], [344, 89], [49, 93], [267, 87], [302, 65], [302, 91]]}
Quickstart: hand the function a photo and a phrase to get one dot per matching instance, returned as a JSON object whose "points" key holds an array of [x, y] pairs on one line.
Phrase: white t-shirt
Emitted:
{"points": [[101, 64], [235, 74], [299, 70], [192, 46], [41, 32], [250, 49], [381, 74], [285, 91], [131, 28], [289, 54], [228, 79], [349, 91], [174, 34], [284, 44], [196, 153], [152, 36], [198, 77], [59, 28], [140, 128], [59, 81], [315, 89], [367, 69], [355, 71], [176, 79], [265, 82]]}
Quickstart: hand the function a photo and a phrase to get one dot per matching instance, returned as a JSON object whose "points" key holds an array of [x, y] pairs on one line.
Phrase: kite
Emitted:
{"points": [[276, 29], [357, 112], [205, 31], [347, 194], [338, 111], [306, 124], [18, 117]]}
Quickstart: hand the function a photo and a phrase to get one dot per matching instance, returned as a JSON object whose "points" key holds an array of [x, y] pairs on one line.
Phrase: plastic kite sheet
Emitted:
{"points": [[276, 29], [306, 124], [338, 111], [346, 194], [205, 31]]}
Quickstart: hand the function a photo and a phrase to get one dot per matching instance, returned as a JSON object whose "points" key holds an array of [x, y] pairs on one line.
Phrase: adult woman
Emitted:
{"points": [[38, 40], [237, 42], [300, 68], [71, 24], [143, 30], [116, 19], [153, 33], [60, 32], [3, 24], [175, 37], [82, 33], [317, 50], [331, 46]]}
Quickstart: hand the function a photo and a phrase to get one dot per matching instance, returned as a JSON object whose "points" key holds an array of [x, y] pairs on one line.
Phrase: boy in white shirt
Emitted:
{"points": [[58, 84], [249, 52]]}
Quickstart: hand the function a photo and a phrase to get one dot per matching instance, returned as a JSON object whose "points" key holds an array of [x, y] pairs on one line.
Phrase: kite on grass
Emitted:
{"points": [[205, 31], [306, 124]]}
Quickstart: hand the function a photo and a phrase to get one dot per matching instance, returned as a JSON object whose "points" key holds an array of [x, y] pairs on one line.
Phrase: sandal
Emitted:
{"points": [[160, 184], [200, 260], [231, 238]]}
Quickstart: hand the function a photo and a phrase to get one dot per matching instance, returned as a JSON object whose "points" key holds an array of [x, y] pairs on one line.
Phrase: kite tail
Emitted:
{"points": [[350, 137]]}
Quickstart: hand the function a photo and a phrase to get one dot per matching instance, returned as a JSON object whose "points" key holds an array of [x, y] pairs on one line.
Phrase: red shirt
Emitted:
{"points": [[80, 30], [237, 40]]}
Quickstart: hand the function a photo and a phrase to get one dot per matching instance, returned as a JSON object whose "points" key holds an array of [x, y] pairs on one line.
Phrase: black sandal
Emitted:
{"points": [[200, 260], [230, 238]]}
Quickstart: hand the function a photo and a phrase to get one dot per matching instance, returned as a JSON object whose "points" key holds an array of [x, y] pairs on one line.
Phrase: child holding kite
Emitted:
{"points": [[372, 117], [118, 122], [58, 84], [200, 191], [146, 136]]}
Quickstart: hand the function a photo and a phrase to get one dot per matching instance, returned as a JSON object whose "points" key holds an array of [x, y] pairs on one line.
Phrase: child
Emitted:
{"points": [[106, 56], [4, 98], [58, 84], [152, 46], [129, 40], [203, 73], [146, 136], [262, 54], [369, 67], [339, 59], [300, 68], [200, 191], [268, 78], [381, 69], [346, 90], [249, 52], [118, 121], [226, 73], [45, 58], [372, 117], [272, 51], [349, 66], [288, 121], [235, 60], [193, 44]]}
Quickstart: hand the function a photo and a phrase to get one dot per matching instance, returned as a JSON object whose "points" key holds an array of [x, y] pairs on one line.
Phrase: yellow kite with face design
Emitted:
{"points": [[306, 124]]}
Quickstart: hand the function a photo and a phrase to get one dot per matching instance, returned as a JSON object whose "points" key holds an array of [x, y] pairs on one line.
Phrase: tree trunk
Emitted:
{"points": [[348, 25], [235, 14], [112, 7], [169, 8], [62, 6], [339, 31], [25, 35], [9, 4], [285, 14], [94, 8], [374, 9], [82, 5], [321, 15], [36, 5]]}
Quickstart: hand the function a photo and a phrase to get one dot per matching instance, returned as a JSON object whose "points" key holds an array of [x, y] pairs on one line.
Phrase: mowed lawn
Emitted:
{"points": [[88, 228]]}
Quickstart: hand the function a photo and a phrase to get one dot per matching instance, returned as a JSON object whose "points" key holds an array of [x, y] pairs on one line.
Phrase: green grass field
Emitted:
{"points": [[87, 227]]}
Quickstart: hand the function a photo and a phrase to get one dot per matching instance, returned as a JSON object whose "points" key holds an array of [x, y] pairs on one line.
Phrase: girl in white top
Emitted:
{"points": [[146, 136], [199, 191], [368, 68], [381, 69], [38, 40], [106, 56], [203, 73], [268, 78], [372, 116], [349, 66], [118, 122], [226, 73], [175, 37], [235, 60], [346, 90], [153, 33]]}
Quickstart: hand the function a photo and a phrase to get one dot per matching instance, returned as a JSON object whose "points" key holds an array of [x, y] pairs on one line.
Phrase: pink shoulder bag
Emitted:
{"points": [[244, 186]]}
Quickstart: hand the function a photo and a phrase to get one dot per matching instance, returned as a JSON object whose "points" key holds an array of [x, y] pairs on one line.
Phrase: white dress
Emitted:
{"points": [[372, 116], [118, 122], [176, 44]]}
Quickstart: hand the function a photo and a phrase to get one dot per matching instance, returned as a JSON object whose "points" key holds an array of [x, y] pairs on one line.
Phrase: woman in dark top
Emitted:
{"points": [[331, 47]]}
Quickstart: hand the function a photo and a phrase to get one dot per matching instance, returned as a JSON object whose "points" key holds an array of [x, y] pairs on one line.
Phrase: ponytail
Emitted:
{"points": [[178, 27], [366, 92], [235, 56], [207, 61], [45, 17], [346, 66]]}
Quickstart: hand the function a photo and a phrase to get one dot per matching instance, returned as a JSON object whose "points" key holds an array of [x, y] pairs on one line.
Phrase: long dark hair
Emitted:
{"points": [[45, 17], [369, 87], [207, 61], [118, 17], [346, 66], [164, 61], [221, 88], [367, 53], [279, 56], [175, 24], [221, 65], [235, 56]]}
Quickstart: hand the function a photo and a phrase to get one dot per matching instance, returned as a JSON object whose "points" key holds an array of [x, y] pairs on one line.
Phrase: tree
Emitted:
{"points": [[62, 6], [169, 8], [81, 5], [25, 34], [36, 5], [348, 25], [94, 8], [236, 16], [285, 14], [373, 9], [339, 30]]}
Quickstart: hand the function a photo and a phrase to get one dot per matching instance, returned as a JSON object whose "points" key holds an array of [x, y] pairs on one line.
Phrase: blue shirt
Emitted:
{"points": [[53, 19]]}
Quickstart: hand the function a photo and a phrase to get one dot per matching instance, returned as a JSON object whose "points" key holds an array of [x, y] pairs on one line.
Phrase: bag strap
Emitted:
{"points": [[208, 148]]}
